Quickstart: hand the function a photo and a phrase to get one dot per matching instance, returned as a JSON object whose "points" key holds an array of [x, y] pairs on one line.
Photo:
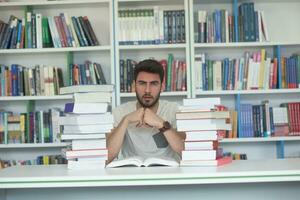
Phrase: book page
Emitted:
{"points": [[132, 161], [160, 161]]}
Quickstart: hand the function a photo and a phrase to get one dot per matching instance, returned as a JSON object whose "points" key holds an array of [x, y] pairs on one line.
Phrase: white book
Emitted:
{"points": [[82, 136], [204, 102], [199, 145], [260, 32], [201, 135], [98, 158], [39, 39], [85, 165], [161, 26], [51, 80], [217, 76], [87, 119], [88, 144], [280, 115], [202, 124], [146, 162], [54, 33], [86, 88], [267, 73], [217, 162], [92, 97], [199, 155], [264, 26], [71, 154], [86, 108], [92, 128], [199, 60], [55, 112]]}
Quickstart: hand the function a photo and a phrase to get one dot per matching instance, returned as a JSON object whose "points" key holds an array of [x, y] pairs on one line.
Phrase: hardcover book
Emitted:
{"points": [[138, 161]]}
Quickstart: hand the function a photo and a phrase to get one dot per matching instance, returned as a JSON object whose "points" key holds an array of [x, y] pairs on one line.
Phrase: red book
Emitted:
{"points": [[217, 162], [164, 65]]}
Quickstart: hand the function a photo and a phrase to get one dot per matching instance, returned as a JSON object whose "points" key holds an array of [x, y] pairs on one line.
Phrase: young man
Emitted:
{"points": [[146, 127]]}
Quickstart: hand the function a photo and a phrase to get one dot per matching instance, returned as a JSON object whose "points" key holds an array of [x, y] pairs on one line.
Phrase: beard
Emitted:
{"points": [[149, 102]]}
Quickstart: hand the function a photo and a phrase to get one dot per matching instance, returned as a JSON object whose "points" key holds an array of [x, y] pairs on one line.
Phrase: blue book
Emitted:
{"points": [[77, 31]]}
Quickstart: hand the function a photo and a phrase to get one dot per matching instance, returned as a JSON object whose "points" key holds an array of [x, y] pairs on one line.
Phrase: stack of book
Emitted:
{"points": [[85, 124], [203, 121]]}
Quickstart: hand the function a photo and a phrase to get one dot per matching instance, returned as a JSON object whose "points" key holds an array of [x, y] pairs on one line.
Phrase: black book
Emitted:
{"points": [[86, 32], [91, 31]]}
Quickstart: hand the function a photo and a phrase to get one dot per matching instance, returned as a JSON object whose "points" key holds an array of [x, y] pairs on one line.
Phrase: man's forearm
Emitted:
{"points": [[175, 140], [115, 140]]}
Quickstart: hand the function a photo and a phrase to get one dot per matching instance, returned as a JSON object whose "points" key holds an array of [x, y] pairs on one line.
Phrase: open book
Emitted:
{"points": [[143, 162]]}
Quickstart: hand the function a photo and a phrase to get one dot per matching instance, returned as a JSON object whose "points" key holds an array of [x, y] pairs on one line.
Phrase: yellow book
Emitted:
{"points": [[262, 68], [283, 74], [46, 160]]}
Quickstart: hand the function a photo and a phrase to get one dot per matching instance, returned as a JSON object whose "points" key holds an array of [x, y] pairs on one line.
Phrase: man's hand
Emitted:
{"points": [[152, 119], [136, 117]]}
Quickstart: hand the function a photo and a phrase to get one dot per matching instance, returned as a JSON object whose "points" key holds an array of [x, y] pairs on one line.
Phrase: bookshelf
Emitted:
{"points": [[100, 15], [278, 16], [158, 51]]}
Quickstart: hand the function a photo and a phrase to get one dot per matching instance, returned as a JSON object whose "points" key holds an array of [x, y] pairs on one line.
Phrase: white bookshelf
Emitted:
{"points": [[36, 145], [36, 98], [159, 51], [250, 92], [276, 13], [100, 15], [153, 46], [55, 50], [262, 139]]}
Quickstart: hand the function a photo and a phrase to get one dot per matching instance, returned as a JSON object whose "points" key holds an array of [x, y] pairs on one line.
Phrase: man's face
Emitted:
{"points": [[148, 87]]}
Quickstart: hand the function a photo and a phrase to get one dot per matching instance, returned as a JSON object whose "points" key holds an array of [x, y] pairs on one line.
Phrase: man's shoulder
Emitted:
{"points": [[168, 104], [128, 106]]}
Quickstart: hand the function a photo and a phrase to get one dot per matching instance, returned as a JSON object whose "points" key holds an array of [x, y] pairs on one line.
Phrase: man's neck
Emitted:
{"points": [[154, 108]]}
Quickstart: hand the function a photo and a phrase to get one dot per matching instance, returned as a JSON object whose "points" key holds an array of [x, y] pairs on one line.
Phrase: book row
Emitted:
{"points": [[40, 160], [264, 120], [220, 26], [174, 74], [151, 26], [256, 71], [37, 31], [17, 80], [43, 80], [87, 74], [31, 127]]}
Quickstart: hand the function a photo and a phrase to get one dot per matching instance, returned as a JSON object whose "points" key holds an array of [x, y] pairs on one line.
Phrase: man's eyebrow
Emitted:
{"points": [[141, 81]]}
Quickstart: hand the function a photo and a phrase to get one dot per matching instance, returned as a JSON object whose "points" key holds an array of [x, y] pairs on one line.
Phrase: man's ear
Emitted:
{"points": [[163, 86]]}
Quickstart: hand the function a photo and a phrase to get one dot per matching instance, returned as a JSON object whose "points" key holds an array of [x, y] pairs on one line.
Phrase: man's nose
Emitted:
{"points": [[147, 88]]}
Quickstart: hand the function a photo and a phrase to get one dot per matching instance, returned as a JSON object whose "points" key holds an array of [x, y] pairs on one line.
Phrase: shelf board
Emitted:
{"points": [[233, 92], [25, 98], [54, 50], [36, 145], [164, 94], [45, 3], [244, 44], [152, 46], [260, 139]]}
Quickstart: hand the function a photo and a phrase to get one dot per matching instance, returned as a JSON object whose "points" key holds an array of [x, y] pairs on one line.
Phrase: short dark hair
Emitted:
{"points": [[150, 66]]}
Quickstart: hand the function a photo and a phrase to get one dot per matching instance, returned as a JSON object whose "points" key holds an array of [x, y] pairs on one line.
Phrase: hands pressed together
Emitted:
{"points": [[145, 117]]}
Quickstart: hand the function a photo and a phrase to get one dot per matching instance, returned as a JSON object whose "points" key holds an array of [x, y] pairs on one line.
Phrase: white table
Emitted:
{"points": [[268, 179]]}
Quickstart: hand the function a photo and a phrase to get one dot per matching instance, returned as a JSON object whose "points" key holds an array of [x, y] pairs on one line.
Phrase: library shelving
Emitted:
{"points": [[158, 45], [100, 16], [278, 19]]}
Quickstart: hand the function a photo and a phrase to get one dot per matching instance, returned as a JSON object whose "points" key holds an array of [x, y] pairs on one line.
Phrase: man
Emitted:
{"points": [[146, 127]]}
